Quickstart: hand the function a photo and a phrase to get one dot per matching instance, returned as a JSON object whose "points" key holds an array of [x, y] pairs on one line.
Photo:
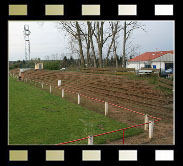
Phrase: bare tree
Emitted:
{"points": [[72, 46], [85, 37], [80, 44], [115, 53], [132, 51], [101, 38], [90, 35], [73, 28], [115, 28], [128, 29]]}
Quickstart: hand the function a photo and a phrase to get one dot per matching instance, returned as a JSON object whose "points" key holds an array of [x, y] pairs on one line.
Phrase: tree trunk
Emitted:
{"points": [[88, 51], [90, 31], [115, 55], [94, 57], [108, 52], [100, 41], [80, 45], [114, 28], [124, 44], [100, 55]]}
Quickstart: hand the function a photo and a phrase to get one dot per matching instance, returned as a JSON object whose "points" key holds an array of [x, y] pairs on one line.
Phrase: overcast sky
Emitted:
{"points": [[46, 40]]}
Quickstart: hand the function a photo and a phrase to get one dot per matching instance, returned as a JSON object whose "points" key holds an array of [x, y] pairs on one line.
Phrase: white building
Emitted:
{"points": [[158, 60]]}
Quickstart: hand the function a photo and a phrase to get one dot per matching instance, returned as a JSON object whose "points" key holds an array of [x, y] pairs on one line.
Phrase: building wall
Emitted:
{"points": [[139, 65], [159, 65], [37, 65], [136, 65], [159, 62], [169, 58]]}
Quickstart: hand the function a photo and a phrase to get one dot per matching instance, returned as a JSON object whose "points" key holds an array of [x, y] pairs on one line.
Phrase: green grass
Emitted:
{"points": [[38, 117], [152, 81]]}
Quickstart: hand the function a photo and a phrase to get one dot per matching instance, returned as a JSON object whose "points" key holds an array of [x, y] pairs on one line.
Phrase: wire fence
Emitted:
{"points": [[156, 119]]}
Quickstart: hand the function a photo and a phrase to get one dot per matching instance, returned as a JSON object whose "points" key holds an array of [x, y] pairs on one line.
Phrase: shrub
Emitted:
{"points": [[52, 65]]}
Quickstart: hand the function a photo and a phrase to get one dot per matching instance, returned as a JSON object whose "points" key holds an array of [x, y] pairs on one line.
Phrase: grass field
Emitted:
{"points": [[38, 117]]}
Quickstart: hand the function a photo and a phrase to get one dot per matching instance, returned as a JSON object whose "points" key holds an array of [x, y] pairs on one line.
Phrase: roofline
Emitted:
{"points": [[153, 58]]}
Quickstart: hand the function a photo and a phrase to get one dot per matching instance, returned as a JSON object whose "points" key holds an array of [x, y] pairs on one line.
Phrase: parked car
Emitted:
{"points": [[63, 69], [167, 72]]}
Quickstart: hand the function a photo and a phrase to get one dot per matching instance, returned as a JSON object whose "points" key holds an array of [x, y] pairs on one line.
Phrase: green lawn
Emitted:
{"points": [[38, 117]]}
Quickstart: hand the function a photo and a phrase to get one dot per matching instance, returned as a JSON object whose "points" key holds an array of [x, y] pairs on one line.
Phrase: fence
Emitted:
{"points": [[90, 138]]}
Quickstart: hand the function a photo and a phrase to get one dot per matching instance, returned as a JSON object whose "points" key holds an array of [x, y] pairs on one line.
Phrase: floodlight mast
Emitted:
{"points": [[27, 41]]}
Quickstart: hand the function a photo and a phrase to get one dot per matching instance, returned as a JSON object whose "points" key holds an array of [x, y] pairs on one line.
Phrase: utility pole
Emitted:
{"points": [[27, 42]]}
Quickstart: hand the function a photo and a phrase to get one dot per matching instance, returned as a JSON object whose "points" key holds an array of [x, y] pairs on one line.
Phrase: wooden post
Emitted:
{"points": [[90, 140], [62, 93], [42, 85], [50, 88], [151, 126], [59, 82], [146, 121], [79, 101], [106, 108]]}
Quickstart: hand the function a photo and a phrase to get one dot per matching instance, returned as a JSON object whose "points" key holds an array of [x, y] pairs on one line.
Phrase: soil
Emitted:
{"points": [[137, 95]]}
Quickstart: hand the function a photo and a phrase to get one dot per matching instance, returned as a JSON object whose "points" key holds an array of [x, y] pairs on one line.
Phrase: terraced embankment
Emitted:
{"points": [[133, 94]]}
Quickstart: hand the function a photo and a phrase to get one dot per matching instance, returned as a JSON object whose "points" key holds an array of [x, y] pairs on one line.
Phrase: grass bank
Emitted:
{"points": [[38, 117]]}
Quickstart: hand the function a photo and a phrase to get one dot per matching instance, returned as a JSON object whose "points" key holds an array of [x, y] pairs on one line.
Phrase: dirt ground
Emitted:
{"points": [[136, 95]]}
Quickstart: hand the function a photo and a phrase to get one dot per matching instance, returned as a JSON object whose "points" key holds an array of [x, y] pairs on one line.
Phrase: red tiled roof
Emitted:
{"points": [[147, 56]]}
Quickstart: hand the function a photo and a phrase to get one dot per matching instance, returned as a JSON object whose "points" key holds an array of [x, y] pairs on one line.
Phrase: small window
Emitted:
{"points": [[147, 66]]}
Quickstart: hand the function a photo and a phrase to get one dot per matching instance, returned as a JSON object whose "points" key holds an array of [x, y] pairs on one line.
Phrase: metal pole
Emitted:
{"points": [[90, 140]]}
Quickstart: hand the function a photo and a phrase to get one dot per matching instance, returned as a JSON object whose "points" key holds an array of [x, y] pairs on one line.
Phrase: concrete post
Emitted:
{"points": [[90, 140], [50, 88], [59, 82], [62, 93], [106, 108], [151, 126], [146, 121], [79, 101], [42, 85]]}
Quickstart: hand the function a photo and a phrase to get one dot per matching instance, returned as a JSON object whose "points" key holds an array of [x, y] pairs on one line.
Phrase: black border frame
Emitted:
{"points": [[73, 153]]}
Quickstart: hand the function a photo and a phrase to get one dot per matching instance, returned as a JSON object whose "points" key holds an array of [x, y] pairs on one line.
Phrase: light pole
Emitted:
{"points": [[27, 41]]}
